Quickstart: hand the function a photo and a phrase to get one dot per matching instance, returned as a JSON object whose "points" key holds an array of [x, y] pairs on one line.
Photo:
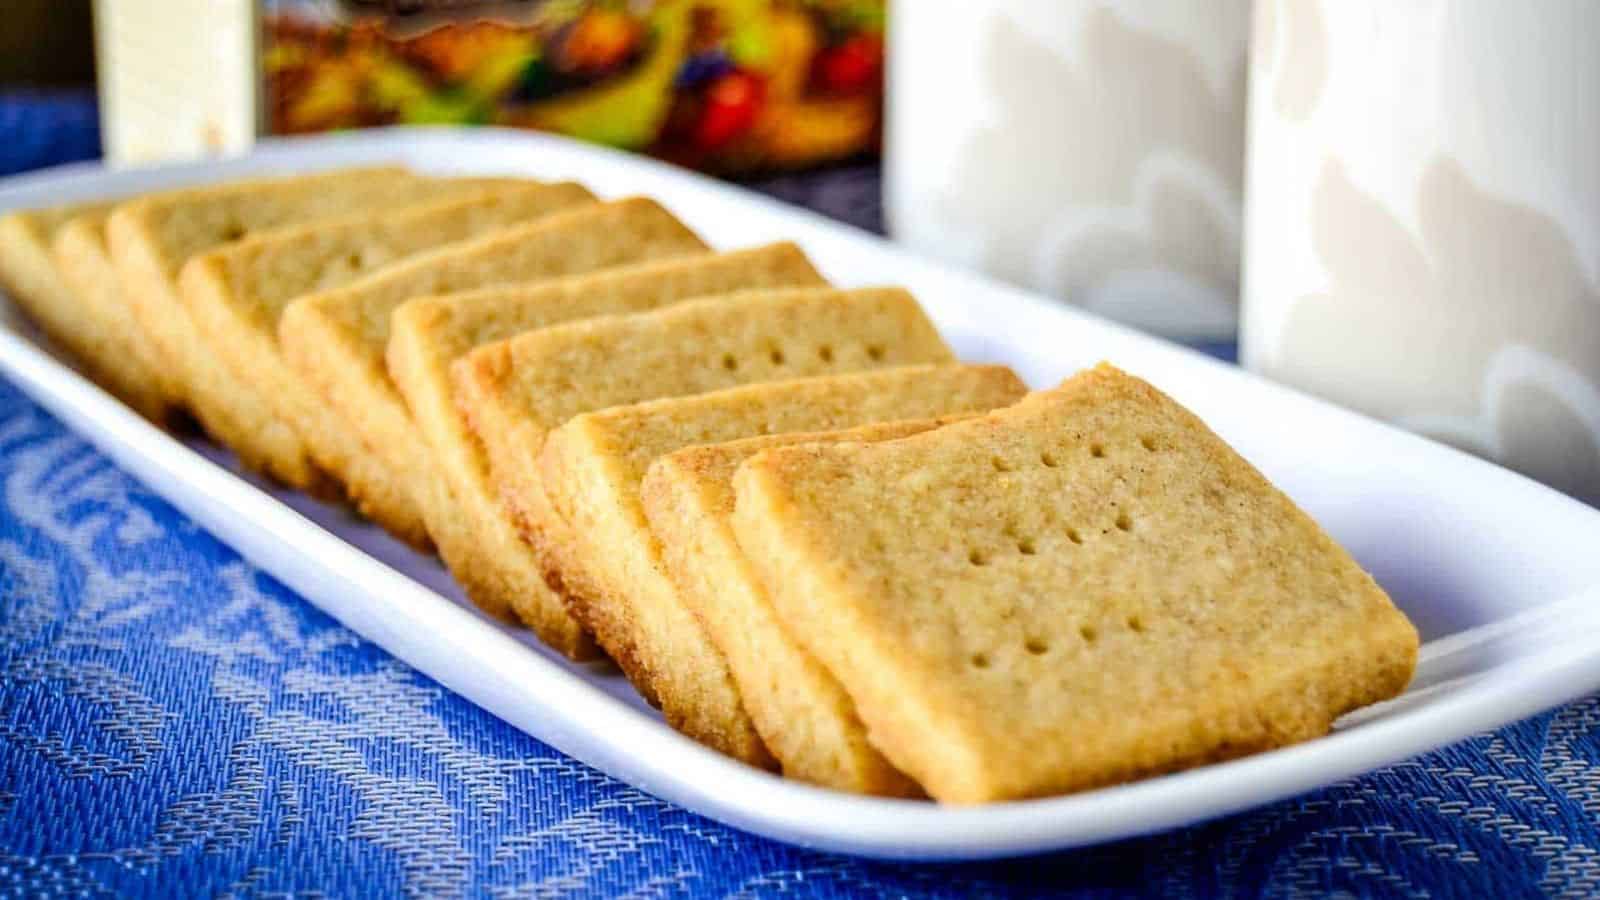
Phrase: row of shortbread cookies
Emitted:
{"points": [[805, 531]]}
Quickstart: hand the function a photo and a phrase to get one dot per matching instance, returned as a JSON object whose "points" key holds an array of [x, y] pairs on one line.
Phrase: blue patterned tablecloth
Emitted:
{"points": [[175, 723]]}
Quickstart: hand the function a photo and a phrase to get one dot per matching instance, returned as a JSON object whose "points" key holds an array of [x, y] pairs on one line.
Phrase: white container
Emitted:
{"points": [[178, 78], [1423, 227], [1092, 151]]}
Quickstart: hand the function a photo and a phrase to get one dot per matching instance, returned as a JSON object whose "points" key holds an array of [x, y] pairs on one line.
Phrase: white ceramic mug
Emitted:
{"points": [[1422, 237], [1089, 150]]}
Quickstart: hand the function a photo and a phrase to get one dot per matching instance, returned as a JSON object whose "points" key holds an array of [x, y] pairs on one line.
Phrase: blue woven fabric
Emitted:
{"points": [[40, 129], [176, 723]]}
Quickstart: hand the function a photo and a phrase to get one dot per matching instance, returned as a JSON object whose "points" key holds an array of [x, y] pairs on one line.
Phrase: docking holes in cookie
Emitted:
{"points": [[1030, 543], [778, 358]]}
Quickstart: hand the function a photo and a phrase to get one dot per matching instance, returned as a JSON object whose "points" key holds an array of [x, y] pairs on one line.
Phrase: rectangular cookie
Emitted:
{"points": [[235, 294], [335, 340], [28, 273], [591, 469], [515, 391], [125, 360], [33, 276], [1084, 588], [803, 715], [463, 515], [167, 332], [152, 236]]}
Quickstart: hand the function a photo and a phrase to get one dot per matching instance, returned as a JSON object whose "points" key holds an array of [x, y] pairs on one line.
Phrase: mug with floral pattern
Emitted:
{"points": [[1422, 226]]}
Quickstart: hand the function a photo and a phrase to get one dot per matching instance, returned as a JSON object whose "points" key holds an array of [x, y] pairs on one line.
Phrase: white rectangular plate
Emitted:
{"points": [[1501, 575]]}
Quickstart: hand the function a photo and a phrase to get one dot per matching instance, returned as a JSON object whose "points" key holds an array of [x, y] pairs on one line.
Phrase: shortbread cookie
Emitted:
{"points": [[29, 275], [1084, 588], [591, 469], [125, 359], [515, 391], [151, 274], [64, 310], [335, 340], [464, 517], [237, 293], [152, 236], [803, 715]]}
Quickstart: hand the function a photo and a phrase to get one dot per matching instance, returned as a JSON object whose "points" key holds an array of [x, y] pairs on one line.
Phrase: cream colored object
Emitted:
{"points": [[176, 93], [1424, 221]]}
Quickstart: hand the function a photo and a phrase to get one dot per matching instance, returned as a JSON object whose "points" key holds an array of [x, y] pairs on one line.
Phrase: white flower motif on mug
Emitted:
{"points": [[1091, 125], [1298, 67], [1482, 329]]}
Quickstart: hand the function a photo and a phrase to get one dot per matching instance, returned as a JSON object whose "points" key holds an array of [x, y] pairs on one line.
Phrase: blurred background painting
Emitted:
{"points": [[734, 87], [726, 85]]}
